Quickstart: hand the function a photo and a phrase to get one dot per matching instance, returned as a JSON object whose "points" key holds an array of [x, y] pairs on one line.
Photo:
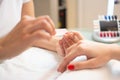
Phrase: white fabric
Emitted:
{"points": [[40, 64], [33, 64], [10, 14]]}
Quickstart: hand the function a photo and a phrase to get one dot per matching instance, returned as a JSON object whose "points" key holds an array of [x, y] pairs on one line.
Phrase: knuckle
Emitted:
{"points": [[24, 22], [47, 17], [43, 23], [38, 34]]}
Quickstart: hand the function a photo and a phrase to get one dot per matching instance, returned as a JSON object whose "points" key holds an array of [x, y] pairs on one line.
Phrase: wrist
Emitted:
{"points": [[115, 51], [47, 44]]}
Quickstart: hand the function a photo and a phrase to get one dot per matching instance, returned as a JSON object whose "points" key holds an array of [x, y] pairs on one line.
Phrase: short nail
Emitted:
{"points": [[71, 67], [59, 71]]}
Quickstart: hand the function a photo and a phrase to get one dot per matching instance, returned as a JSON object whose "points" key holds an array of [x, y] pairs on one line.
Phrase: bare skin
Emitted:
{"points": [[24, 35], [27, 33], [68, 39], [98, 54]]}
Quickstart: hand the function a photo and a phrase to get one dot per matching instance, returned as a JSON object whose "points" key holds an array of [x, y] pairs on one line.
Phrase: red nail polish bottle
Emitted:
{"points": [[71, 67]]}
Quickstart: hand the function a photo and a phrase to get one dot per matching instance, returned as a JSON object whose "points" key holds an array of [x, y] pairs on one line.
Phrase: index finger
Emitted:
{"points": [[51, 23], [42, 25], [49, 20], [68, 58]]}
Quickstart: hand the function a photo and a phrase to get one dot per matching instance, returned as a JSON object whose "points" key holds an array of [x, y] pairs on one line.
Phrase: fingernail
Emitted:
{"points": [[66, 32], [59, 71], [71, 67], [60, 42]]}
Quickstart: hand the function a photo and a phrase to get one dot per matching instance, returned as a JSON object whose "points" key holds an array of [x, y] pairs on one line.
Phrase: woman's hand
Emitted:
{"points": [[68, 40], [25, 34], [98, 54]]}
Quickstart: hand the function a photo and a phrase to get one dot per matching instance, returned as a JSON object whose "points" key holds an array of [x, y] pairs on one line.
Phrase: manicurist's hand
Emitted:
{"points": [[98, 54], [25, 34]]}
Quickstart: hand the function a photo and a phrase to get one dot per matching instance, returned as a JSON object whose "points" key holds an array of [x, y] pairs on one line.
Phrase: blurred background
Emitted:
{"points": [[74, 13]]}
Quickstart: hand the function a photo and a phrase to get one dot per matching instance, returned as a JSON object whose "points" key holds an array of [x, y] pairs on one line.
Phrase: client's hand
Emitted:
{"points": [[68, 39], [98, 54]]}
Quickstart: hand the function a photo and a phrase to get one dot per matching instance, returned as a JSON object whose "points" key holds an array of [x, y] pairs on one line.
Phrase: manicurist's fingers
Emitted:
{"points": [[40, 25], [49, 20], [40, 34]]}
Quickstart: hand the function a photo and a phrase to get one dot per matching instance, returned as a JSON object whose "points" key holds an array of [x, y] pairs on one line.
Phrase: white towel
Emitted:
{"points": [[33, 64]]}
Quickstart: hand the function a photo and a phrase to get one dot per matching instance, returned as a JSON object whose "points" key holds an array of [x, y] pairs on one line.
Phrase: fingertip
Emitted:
{"points": [[59, 70], [67, 33], [53, 32], [71, 67]]}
